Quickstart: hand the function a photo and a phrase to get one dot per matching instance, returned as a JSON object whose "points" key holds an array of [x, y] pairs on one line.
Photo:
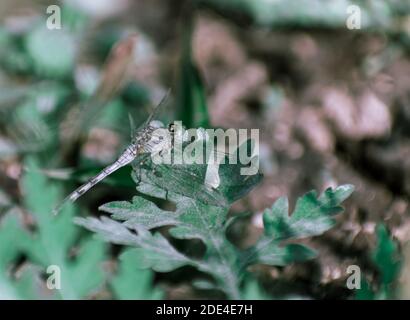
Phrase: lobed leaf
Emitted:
{"points": [[312, 216]]}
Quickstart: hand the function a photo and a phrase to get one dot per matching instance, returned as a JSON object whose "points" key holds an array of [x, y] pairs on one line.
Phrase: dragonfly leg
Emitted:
{"points": [[138, 174], [137, 168]]}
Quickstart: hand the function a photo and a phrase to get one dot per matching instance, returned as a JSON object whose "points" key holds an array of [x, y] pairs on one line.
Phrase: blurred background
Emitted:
{"points": [[332, 104]]}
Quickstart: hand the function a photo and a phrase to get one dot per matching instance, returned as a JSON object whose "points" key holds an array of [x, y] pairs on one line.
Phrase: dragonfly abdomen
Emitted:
{"points": [[126, 157]]}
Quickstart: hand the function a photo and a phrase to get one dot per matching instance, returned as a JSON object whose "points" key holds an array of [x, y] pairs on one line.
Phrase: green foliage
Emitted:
{"points": [[12, 58], [30, 123], [37, 86], [132, 284], [313, 215], [12, 232], [52, 243], [252, 291], [201, 217], [39, 65], [310, 13], [193, 110], [55, 236], [73, 19], [52, 52], [386, 257]]}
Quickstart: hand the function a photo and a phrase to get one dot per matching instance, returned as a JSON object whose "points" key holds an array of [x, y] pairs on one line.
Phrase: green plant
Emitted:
{"points": [[38, 90], [130, 284], [386, 258], [311, 13], [56, 241], [192, 104], [198, 216], [23, 287], [48, 245], [56, 235]]}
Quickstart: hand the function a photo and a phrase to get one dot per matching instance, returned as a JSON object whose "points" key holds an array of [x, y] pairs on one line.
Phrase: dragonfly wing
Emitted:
{"points": [[157, 107], [183, 181]]}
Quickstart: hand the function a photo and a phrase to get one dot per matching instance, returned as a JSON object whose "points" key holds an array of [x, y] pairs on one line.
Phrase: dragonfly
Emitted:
{"points": [[200, 183], [144, 141]]}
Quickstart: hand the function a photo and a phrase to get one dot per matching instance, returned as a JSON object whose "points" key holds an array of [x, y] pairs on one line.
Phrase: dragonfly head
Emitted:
{"points": [[171, 128]]}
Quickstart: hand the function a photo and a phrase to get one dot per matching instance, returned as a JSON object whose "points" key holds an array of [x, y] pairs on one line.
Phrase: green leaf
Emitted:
{"points": [[266, 252], [252, 291], [365, 292], [73, 19], [386, 257], [190, 180], [12, 57], [156, 251], [132, 284], [193, 110], [55, 237], [196, 217], [52, 51], [11, 231], [312, 216]]}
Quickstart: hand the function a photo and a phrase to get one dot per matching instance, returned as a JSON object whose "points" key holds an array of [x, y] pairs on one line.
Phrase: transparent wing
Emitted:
{"points": [[186, 180], [157, 108], [204, 182]]}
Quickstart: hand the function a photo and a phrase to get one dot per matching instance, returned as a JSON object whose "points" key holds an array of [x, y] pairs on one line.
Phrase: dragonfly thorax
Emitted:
{"points": [[152, 138]]}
